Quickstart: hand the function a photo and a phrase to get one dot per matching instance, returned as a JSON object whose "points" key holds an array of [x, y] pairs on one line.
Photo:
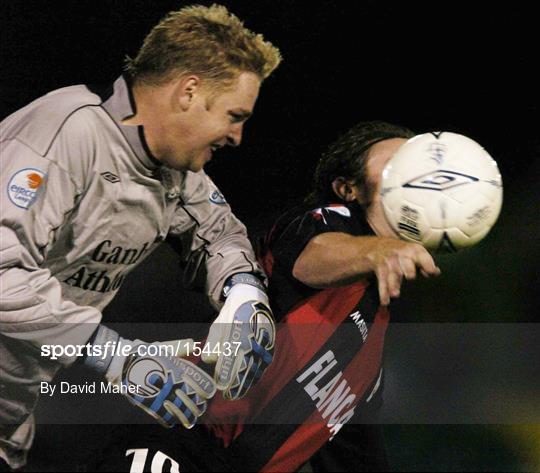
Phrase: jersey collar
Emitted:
{"points": [[121, 105]]}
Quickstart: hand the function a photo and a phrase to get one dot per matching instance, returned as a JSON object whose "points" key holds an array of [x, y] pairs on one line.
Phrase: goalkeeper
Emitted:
{"points": [[94, 179]]}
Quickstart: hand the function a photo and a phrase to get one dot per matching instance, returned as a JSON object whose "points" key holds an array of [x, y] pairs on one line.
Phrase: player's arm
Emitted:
{"points": [[37, 196], [33, 314], [40, 194], [235, 285], [218, 246], [333, 259]]}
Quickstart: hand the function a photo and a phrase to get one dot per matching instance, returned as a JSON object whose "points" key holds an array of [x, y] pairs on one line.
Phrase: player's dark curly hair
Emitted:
{"points": [[347, 157]]}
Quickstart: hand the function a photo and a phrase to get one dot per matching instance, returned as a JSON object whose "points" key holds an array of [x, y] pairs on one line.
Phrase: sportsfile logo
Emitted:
{"points": [[24, 186]]}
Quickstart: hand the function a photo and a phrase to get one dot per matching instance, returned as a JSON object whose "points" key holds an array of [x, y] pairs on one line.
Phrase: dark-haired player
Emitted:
{"points": [[333, 264]]}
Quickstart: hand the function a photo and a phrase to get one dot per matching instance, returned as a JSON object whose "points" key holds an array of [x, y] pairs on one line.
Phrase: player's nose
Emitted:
{"points": [[234, 138]]}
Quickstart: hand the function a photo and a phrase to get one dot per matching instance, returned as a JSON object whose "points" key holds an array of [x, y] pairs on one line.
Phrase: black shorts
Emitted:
{"points": [[148, 448], [152, 448]]}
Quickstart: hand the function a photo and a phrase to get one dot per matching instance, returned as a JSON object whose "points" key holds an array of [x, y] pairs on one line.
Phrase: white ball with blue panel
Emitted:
{"points": [[442, 190]]}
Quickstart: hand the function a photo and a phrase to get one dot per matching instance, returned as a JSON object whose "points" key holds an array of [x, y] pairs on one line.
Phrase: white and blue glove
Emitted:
{"points": [[244, 334], [171, 389]]}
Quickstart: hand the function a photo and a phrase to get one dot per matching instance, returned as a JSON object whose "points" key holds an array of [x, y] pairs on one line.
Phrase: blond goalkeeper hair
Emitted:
{"points": [[206, 41]]}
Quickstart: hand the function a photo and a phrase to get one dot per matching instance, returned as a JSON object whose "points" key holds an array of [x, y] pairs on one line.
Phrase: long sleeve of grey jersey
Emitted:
{"points": [[217, 232], [37, 197]]}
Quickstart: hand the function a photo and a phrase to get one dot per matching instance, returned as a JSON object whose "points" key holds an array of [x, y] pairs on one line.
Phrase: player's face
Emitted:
{"points": [[378, 156], [213, 120]]}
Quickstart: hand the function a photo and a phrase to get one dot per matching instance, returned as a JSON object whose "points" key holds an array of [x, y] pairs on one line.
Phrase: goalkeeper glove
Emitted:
{"points": [[246, 323], [172, 390]]}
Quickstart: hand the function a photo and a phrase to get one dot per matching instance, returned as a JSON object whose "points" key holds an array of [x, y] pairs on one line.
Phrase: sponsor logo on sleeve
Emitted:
{"points": [[24, 186], [216, 197]]}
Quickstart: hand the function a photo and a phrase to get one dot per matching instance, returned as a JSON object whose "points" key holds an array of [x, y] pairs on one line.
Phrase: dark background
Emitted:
{"points": [[429, 66]]}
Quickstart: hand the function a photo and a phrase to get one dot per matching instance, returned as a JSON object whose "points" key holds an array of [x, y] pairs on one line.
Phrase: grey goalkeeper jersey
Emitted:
{"points": [[84, 202]]}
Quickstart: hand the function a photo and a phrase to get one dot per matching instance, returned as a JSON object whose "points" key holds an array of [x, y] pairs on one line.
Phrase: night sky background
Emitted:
{"points": [[429, 66]]}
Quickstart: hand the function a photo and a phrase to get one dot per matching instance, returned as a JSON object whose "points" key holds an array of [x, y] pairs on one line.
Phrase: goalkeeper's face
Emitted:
{"points": [[207, 120]]}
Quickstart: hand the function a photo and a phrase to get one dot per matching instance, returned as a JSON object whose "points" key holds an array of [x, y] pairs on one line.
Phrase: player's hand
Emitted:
{"points": [[392, 260], [170, 389], [246, 326]]}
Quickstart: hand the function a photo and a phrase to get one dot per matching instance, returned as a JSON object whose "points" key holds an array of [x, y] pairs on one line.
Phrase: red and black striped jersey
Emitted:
{"points": [[327, 366]]}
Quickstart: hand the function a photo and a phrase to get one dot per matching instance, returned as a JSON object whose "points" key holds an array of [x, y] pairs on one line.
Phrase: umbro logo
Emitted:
{"points": [[109, 176], [440, 180]]}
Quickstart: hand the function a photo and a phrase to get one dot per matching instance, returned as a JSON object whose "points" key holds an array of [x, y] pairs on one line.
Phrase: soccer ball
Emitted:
{"points": [[442, 190]]}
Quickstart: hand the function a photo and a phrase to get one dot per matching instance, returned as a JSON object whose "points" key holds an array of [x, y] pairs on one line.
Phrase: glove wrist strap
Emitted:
{"points": [[104, 345], [242, 278]]}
